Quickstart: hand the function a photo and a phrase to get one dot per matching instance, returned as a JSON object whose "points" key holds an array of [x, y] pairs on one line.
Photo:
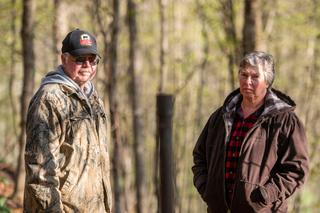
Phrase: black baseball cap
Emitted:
{"points": [[79, 42]]}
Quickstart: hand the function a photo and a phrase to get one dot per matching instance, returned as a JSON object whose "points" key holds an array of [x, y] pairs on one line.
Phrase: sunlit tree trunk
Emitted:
{"points": [[309, 94], [12, 67], [205, 50], [252, 29], [270, 8], [231, 48], [58, 29], [113, 101], [110, 60], [27, 36], [135, 105], [163, 45]]}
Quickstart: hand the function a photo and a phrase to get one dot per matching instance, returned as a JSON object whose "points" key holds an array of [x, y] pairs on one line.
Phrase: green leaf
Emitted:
{"points": [[2, 201]]}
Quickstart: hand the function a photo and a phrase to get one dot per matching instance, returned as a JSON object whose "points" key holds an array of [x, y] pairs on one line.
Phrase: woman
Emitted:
{"points": [[252, 154]]}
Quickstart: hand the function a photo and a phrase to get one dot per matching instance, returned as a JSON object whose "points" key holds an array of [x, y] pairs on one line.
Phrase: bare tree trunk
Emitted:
{"points": [[268, 15], [309, 94], [113, 101], [135, 106], [12, 67], [252, 29], [27, 37], [163, 45], [232, 49], [202, 79], [110, 67], [57, 31], [205, 49]]}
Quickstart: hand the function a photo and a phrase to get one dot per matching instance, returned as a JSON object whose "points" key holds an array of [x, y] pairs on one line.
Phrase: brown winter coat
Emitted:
{"points": [[66, 159], [273, 157]]}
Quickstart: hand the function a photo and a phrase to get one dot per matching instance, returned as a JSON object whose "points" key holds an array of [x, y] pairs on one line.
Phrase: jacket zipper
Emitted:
{"points": [[224, 160]]}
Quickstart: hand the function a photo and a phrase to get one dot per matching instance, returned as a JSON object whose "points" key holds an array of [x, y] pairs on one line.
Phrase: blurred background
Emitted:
{"points": [[187, 48]]}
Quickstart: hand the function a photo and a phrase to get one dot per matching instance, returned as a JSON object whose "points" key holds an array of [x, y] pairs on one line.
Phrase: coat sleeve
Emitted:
{"points": [[199, 168], [292, 166], [43, 135]]}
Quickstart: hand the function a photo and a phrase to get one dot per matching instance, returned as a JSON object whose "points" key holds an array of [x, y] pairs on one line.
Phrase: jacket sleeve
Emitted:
{"points": [[292, 166], [43, 136], [199, 168]]}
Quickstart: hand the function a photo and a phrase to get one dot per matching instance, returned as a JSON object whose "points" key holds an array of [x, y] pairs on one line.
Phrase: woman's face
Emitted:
{"points": [[253, 86]]}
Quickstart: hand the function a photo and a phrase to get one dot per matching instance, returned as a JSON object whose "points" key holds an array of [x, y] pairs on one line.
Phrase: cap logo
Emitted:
{"points": [[85, 40]]}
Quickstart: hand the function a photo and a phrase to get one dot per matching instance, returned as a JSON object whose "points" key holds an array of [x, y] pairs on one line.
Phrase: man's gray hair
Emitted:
{"points": [[263, 61]]}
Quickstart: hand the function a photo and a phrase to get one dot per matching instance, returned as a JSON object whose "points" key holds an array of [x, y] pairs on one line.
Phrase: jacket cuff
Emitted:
{"points": [[270, 192]]}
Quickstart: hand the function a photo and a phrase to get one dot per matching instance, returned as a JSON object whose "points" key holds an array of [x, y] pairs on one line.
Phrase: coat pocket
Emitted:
{"points": [[246, 198]]}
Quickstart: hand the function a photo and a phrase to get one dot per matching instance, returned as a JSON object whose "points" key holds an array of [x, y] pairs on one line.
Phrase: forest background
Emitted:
{"points": [[187, 48]]}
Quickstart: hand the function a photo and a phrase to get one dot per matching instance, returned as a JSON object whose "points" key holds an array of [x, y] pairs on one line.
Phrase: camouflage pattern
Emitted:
{"points": [[66, 156]]}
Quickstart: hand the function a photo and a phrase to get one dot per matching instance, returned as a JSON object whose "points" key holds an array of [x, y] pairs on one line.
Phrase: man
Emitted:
{"points": [[252, 154], [66, 156]]}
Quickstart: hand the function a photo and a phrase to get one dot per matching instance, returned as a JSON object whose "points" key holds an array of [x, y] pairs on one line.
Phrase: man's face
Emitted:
{"points": [[80, 69], [252, 83]]}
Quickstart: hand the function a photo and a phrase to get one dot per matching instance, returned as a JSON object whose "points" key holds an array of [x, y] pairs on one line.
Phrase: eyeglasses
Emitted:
{"points": [[80, 60]]}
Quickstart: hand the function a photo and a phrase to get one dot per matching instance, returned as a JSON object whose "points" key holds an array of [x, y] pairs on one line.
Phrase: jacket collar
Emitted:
{"points": [[275, 101], [58, 76]]}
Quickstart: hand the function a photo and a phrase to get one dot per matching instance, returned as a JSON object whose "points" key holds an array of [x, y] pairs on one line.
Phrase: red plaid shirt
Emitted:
{"points": [[240, 128]]}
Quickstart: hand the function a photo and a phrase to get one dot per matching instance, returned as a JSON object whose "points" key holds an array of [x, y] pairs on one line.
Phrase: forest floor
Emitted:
{"points": [[7, 204]]}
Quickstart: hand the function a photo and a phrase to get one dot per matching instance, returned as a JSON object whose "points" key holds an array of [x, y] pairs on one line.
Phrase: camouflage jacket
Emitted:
{"points": [[66, 155]]}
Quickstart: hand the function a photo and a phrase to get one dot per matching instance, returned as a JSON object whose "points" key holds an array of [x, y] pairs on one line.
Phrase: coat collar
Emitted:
{"points": [[275, 101]]}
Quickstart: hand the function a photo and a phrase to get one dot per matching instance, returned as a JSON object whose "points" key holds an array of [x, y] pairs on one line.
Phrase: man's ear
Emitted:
{"points": [[63, 58]]}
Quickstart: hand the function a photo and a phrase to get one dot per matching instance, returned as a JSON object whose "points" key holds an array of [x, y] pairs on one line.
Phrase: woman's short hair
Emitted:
{"points": [[263, 61]]}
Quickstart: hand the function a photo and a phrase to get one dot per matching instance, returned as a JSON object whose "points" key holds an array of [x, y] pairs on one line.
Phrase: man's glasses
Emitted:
{"points": [[80, 60]]}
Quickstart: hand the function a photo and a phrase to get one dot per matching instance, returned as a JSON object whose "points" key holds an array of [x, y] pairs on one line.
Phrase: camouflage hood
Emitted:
{"points": [[59, 76]]}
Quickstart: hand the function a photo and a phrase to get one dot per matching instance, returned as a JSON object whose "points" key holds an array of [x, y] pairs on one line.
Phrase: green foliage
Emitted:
{"points": [[3, 208], [3, 180]]}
